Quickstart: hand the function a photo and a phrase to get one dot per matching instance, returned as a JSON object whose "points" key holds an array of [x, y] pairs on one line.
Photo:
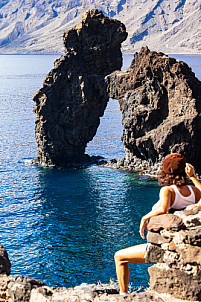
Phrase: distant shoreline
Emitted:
{"points": [[123, 53]]}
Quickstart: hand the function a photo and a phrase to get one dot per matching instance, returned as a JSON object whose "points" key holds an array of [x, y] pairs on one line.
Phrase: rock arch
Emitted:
{"points": [[159, 97]]}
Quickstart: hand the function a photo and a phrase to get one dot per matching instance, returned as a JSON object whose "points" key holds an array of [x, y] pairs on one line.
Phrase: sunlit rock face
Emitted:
{"points": [[74, 95], [160, 101]]}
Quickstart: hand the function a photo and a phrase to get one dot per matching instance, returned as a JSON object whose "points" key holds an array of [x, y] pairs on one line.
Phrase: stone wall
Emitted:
{"points": [[176, 248]]}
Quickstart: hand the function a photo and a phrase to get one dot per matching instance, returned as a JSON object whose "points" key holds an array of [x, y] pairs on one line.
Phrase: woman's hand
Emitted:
{"points": [[143, 226], [189, 170]]}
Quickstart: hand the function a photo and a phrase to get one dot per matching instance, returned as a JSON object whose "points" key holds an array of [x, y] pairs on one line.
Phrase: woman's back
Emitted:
{"points": [[182, 196]]}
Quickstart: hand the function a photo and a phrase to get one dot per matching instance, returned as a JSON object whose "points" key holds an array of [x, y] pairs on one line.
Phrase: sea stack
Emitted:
{"points": [[160, 101], [74, 95]]}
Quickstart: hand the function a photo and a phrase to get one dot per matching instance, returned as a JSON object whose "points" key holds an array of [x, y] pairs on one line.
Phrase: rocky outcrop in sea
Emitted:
{"points": [[159, 97], [160, 101], [175, 248], [74, 95]]}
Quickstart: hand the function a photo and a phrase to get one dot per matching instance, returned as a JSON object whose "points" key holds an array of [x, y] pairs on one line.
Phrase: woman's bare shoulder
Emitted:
{"points": [[197, 193], [165, 190]]}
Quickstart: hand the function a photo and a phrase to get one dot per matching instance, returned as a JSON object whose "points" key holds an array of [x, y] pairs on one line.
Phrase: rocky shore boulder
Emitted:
{"points": [[5, 265], [17, 288], [24, 289], [74, 95], [160, 101]]}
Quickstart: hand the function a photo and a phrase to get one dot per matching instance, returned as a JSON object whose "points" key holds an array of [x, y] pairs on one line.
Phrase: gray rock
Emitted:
{"points": [[156, 238], [155, 254], [178, 283], [89, 292], [17, 288]]}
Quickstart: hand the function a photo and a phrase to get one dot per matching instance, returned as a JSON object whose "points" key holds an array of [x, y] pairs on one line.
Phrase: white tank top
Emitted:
{"points": [[180, 201]]}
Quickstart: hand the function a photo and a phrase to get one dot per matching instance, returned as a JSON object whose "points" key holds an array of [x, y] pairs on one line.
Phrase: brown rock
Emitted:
{"points": [[156, 238], [167, 222], [190, 254], [17, 288], [172, 246], [160, 101], [193, 236], [155, 254], [178, 283], [190, 236], [191, 219], [74, 97]]}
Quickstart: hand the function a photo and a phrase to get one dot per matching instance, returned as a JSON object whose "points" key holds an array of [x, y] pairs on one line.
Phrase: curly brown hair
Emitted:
{"points": [[166, 179]]}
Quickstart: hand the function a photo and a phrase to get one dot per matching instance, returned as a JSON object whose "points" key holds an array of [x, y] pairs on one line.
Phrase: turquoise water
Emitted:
{"points": [[64, 226]]}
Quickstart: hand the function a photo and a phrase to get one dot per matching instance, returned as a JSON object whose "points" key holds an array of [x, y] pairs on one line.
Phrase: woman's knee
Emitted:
{"points": [[118, 257]]}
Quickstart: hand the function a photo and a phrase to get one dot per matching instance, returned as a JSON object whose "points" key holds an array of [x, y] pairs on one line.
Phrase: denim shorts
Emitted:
{"points": [[147, 248]]}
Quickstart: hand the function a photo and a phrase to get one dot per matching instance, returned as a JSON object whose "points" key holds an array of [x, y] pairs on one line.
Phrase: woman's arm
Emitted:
{"points": [[191, 174], [163, 207]]}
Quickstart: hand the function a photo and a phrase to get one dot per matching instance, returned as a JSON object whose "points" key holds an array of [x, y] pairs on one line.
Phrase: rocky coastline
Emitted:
{"points": [[175, 277]]}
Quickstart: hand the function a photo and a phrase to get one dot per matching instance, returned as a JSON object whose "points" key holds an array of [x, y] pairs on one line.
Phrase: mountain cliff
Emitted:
{"points": [[37, 26]]}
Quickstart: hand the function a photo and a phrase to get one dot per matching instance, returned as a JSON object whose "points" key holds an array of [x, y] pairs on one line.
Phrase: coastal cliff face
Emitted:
{"points": [[160, 101], [74, 96]]}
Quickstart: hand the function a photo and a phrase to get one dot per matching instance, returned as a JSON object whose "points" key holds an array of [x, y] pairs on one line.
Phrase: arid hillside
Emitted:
{"points": [[37, 26]]}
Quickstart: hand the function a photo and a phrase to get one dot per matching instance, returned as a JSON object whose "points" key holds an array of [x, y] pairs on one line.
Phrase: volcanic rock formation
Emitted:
{"points": [[74, 97], [159, 97], [160, 101]]}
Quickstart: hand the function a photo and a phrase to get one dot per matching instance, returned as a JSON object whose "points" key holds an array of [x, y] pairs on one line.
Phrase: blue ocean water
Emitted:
{"points": [[64, 226]]}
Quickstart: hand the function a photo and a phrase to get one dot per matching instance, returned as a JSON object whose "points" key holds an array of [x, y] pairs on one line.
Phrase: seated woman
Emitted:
{"points": [[175, 194]]}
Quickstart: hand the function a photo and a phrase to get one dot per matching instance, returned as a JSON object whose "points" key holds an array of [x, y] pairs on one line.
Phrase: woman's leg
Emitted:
{"points": [[133, 254]]}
